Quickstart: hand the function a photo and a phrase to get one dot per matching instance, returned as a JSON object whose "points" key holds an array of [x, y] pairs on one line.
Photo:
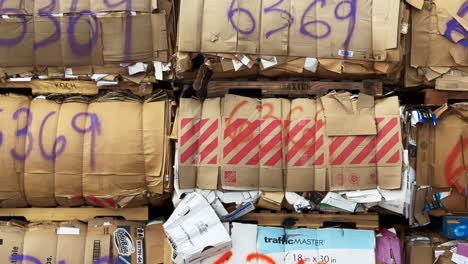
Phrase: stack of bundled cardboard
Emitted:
{"points": [[81, 38], [110, 152], [439, 48], [333, 40], [334, 143], [100, 241]]}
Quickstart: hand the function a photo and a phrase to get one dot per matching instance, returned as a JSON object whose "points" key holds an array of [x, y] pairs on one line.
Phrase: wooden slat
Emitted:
{"points": [[293, 88], [437, 97], [68, 214], [73, 87], [368, 221]]}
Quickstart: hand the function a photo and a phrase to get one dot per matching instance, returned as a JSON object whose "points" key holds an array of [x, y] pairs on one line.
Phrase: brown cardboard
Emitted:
{"points": [[155, 238], [69, 165], [12, 237], [118, 46], [12, 189], [112, 239], [442, 148], [40, 241], [256, 32], [420, 254], [118, 174], [153, 138], [138, 6], [22, 52], [39, 167], [70, 245]]}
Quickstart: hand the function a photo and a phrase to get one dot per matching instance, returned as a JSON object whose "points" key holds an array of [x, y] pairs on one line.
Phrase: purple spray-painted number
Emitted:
{"points": [[454, 25], [52, 38], [49, 9], [305, 24], [86, 48], [128, 27], [274, 9], [232, 11], [23, 132], [351, 15], [94, 129], [23, 258], [13, 41], [62, 140]]}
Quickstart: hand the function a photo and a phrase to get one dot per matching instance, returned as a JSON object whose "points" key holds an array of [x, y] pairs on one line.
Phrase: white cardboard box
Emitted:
{"points": [[195, 232]]}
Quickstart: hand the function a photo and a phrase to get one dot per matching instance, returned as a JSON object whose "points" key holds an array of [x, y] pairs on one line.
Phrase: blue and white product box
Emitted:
{"points": [[455, 227], [311, 246]]}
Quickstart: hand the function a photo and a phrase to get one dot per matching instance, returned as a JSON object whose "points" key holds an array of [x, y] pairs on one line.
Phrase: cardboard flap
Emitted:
{"points": [[416, 3], [349, 117], [385, 21]]}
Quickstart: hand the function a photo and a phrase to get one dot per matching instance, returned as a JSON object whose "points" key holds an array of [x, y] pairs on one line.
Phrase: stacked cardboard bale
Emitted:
{"points": [[112, 151], [79, 38]]}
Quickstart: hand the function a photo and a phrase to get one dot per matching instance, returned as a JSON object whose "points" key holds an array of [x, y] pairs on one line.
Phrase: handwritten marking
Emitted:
{"points": [[232, 11], [61, 139], [94, 129], [23, 132]]}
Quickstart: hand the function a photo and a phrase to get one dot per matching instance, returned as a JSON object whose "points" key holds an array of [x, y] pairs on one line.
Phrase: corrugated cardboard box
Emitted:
{"points": [[12, 187], [332, 143], [115, 240], [12, 237], [441, 149]]}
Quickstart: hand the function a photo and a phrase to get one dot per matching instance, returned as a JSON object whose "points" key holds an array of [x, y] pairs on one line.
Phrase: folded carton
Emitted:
{"points": [[156, 245], [315, 246], [12, 187], [115, 241], [333, 143], [441, 150], [12, 237], [195, 232]]}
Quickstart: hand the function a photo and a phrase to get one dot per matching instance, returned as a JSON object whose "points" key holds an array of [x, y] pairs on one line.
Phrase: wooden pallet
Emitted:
{"points": [[74, 87], [438, 97], [292, 88], [313, 220], [69, 214]]}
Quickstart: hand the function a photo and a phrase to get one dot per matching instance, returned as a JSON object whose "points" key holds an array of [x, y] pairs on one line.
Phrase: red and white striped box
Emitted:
{"points": [[190, 124], [305, 147], [241, 143]]}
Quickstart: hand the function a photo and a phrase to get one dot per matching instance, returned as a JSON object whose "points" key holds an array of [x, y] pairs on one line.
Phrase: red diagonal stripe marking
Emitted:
{"points": [[348, 150], [387, 147], [379, 120], [242, 136], [320, 160], [305, 138], [264, 150], [365, 152], [208, 132], [213, 161], [233, 127], [185, 122], [208, 150], [95, 201], [310, 152], [337, 142], [254, 143], [245, 151], [111, 202], [386, 129], [275, 158], [395, 158], [296, 129], [189, 151], [192, 131]]}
